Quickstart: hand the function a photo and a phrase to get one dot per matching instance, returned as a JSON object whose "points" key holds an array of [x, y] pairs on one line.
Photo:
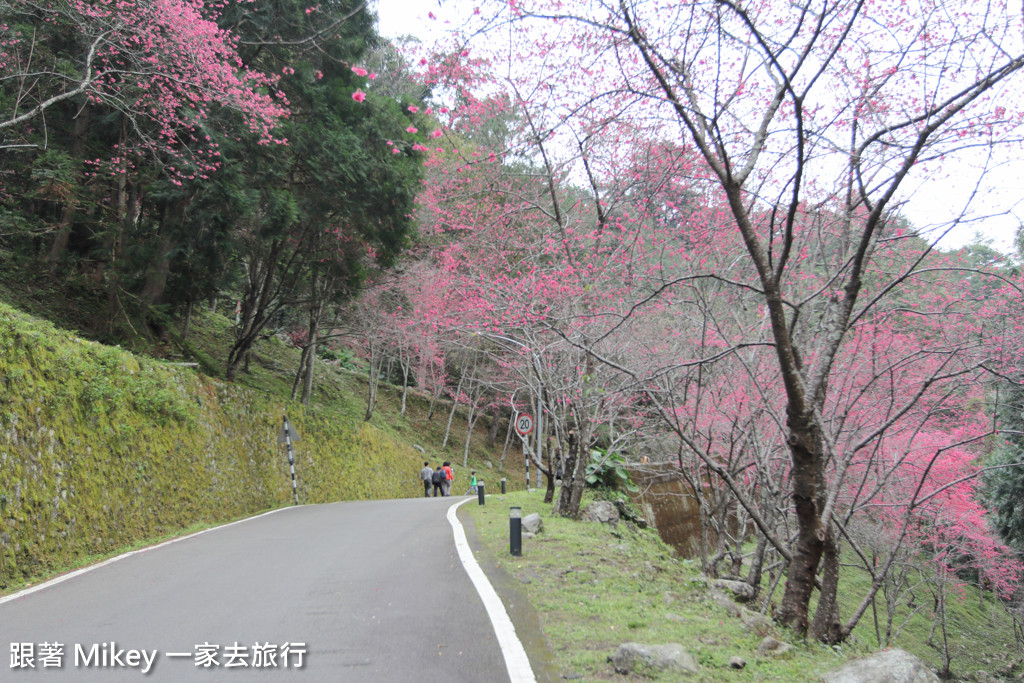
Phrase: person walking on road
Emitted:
{"points": [[426, 474], [437, 479], [449, 477], [472, 484]]}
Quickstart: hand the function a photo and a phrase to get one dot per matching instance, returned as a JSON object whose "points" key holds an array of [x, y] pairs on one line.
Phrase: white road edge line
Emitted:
{"points": [[518, 664], [84, 570]]}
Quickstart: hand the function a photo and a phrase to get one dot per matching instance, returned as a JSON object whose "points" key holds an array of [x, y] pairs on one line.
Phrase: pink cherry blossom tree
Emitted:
{"points": [[163, 64], [802, 126]]}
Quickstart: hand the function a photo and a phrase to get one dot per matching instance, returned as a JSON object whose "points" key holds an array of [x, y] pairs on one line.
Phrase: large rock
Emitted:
{"points": [[533, 524], [626, 513], [741, 590], [758, 624], [771, 647], [726, 603], [637, 656], [890, 666], [601, 511]]}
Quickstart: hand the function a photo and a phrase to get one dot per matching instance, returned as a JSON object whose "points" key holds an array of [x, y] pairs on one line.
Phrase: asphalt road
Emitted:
{"points": [[371, 591]]}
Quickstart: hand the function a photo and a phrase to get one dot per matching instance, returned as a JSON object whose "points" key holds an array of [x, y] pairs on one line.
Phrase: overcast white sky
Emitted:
{"points": [[407, 17], [934, 203]]}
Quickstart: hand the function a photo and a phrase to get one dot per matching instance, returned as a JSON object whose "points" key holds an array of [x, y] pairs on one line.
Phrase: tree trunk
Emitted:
{"points": [[67, 215], [433, 405], [474, 415], [826, 627], [307, 365], [572, 452], [437, 386], [307, 386], [492, 429], [757, 565], [806, 453], [371, 399], [188, 320], [405, 386], [579, 475], [257, 304], [504, 450], [573, 476], [301, 372], [372, 379], [235, 358], [160, 267], [451, 413], [62, 237], [549, 492], [156, 276]]}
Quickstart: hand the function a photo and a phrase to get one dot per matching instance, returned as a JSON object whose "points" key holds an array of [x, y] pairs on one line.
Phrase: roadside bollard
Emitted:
{"points": [[503, 486], [515, 531], [480, 492]]}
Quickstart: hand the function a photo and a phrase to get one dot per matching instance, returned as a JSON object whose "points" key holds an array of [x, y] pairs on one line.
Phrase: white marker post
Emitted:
{"points": [[289, 436]]}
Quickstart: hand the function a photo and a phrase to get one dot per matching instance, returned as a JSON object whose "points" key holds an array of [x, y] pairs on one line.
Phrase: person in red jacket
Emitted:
{"points": [[449, 477]]}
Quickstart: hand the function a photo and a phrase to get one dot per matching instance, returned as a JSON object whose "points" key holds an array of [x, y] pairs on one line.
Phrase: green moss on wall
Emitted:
{"points": [[100, 449]]}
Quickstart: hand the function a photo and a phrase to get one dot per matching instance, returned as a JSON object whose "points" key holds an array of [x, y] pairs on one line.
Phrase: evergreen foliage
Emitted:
{"points": [[1003, 488], [285, 221]]}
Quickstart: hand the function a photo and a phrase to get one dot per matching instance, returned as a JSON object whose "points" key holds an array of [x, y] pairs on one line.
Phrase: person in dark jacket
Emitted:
{"points": [[438, 479]]}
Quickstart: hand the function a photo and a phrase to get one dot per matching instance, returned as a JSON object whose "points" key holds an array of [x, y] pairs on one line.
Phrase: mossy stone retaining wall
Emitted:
{"points": [[100, 449]]}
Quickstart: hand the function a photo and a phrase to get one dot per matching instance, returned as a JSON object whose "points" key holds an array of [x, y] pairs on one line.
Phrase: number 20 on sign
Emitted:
{"points": [[524, 424]]}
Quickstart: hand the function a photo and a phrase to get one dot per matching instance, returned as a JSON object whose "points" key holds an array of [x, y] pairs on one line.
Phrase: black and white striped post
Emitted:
{"points": [[289, 436]]}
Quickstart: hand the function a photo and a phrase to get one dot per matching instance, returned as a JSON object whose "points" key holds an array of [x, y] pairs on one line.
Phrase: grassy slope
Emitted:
{"points": [[595, 587], [272, 370]]}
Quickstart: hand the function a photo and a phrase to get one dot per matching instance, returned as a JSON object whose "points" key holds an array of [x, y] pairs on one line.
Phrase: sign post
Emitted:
{"points": [[289, 436], [524, 426]]}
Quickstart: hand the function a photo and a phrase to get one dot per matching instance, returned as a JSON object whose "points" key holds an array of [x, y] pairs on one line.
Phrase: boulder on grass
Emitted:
{"points": [[741, 590], [630, 657], [890, 666], [601, 511], [533, 524], [771, 647]]}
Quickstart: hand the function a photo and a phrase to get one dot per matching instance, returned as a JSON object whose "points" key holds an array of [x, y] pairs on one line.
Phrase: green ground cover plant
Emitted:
{"points": [[594, 586]]}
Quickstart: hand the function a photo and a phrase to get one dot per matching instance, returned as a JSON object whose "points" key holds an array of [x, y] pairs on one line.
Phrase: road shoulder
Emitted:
{"points": [[517, 604]]}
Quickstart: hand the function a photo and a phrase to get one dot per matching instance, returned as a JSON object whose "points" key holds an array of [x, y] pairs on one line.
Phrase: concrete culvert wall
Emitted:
{"points": [[669, 504]]}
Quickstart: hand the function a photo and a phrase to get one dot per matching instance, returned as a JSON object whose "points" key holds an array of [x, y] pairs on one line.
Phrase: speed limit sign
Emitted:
{"points": [[524, 424]]}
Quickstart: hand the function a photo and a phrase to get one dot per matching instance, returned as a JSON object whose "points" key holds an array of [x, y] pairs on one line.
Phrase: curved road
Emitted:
{"points": [[371, 591]]}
